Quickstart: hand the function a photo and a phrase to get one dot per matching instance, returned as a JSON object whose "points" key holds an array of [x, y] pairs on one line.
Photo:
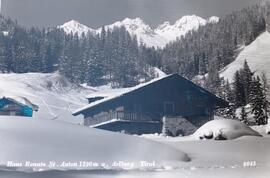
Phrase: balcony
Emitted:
{"points": [[121, 116]]}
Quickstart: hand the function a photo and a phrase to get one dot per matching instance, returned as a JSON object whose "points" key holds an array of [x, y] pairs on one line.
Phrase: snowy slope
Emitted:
{"points": [[257, 55], [55, 96], [158, 37], [37, 140]]}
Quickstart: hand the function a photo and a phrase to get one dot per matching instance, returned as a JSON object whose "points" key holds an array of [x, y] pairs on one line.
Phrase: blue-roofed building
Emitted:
{"points": [[17, 106]]}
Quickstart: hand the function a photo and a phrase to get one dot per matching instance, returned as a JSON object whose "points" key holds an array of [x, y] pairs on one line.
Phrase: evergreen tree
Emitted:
{"points": [[229, 96], [246, 76], [243, 116], [258, 102], [238, 90], [213, 82], [265, 93], [3, 65]]}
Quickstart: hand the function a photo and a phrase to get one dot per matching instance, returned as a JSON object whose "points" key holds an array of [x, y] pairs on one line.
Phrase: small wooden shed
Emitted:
{"points": [[17, 106]]}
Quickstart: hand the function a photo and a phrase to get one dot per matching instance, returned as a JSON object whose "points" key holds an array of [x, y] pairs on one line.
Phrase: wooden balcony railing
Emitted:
{"points": [[120, 115]]}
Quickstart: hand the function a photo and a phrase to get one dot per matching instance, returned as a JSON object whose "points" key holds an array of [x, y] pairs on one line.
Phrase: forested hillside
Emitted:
{"points": [[214, 46], [112, 57], [115, 57]]}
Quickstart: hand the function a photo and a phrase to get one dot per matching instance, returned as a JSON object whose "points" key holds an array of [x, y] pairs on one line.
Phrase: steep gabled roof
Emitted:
{"points": [[127, 91]]}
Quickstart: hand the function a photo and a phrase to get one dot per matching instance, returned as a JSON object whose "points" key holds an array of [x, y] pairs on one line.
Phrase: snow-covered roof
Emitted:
{"points": [[121, 92], [5, 33], [107, 93], [114, 94], [21, 101]]}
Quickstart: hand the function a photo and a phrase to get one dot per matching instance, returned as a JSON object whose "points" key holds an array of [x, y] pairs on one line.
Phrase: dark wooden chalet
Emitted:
{"points": [[145, 108]]}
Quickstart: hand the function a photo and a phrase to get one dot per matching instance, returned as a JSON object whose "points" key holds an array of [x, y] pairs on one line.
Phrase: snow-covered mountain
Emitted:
{"points": [[213, 19], [74, 26], [158, 37], [143, 31], [257, 55], [180, 28]]}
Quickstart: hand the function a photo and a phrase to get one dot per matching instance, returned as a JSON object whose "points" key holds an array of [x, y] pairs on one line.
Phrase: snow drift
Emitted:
{"points": [[226, 129], [38, 140]]}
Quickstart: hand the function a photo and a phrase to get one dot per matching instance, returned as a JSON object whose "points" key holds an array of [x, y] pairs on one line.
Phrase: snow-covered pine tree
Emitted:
{"points": [[3, 65], [202, 65], [243, 116], [95, 66], [258, 102], [246, 76], [84, 59], [238, 90], [41, 63], [213, 82], [266, 93], [228, 96], [65, 57], [264, 82]]}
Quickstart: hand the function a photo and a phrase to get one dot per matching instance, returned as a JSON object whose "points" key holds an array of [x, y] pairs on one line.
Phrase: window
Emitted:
{"points": [[168, 108], [12, 113]]}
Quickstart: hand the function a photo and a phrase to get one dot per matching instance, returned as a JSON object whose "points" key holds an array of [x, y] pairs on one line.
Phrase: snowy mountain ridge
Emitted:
{"points": [[158, 37], [74, 26], [139, 28], [180, 28]]}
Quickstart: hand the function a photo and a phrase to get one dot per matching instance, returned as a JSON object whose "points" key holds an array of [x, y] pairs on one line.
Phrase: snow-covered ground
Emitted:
{"points": [[257, 55], [39, 140], [56, 97], [262, 129], [251, 172], [246, 156], [243, 157], [36, 140]]}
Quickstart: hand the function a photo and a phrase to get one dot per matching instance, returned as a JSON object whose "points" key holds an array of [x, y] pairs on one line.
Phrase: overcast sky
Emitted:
{"points": [[96, 13]]}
